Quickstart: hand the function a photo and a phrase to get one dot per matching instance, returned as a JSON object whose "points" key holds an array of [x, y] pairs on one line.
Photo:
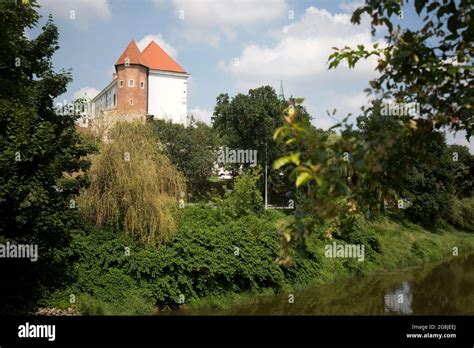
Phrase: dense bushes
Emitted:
{"points": [[463, 213], [226, 249], [246, 197], [214, 256]]}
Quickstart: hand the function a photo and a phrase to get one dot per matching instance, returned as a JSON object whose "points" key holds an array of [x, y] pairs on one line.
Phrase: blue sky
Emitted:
{"points": [[226, 45]]}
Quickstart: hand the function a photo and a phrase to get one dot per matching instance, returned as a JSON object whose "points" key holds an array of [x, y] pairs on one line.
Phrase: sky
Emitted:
{"points": [[227, 46]]}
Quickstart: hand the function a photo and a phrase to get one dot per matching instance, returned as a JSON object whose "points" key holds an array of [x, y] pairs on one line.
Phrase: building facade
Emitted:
{"points": [[147, 83]]}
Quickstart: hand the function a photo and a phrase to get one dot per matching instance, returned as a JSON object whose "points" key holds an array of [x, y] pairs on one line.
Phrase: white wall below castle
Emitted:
{"points": [[168, 96]]}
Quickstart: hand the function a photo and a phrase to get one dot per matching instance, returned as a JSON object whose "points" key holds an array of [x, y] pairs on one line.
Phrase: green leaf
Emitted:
{"points": [[432, 6], [302, 178], [295, 158], [419, 4], [319, 180], [277, 133], [282, 161], [299, 100], [452, 21]]}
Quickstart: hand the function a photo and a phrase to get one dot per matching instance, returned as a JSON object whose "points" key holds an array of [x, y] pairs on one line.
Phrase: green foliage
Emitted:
{"points": [[203, 264], [248, 121], [134, 186], [41, 155], [325, 175], [246, 198], [431, 65], [463, 170], [201, 260], [462, 213], [429, 185], [193, 150], [391, 157]]}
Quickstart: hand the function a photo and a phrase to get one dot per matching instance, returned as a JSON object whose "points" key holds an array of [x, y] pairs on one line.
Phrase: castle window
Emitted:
{"points": [[121, 83], [130, 101], [142, 84], [131, 83], [115, 99]]}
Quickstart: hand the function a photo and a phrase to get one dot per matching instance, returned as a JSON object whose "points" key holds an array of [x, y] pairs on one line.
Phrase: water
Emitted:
{"points": [[443, 288]]}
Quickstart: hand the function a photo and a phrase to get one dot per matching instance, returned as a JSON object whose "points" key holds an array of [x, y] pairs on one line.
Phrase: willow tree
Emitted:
{"points": [[134, 186]]}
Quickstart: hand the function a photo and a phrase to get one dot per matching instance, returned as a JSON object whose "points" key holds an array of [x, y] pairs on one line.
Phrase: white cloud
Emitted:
{"points": [[202, 115], [89, 91], [303, 48], [299, 58], [351, 6], [158, 38], [84, 10], [208, 20]]}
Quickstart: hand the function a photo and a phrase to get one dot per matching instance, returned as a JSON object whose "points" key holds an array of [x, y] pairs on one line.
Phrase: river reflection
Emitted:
{"points": [[445, 288], [399, 301]]}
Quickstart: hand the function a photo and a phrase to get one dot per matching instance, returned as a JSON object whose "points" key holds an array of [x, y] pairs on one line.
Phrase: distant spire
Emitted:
{"points": [[281, 95]]}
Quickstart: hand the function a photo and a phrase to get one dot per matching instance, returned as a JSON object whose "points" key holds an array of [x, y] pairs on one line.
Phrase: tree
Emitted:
{"points": [[431, 66], [463, 163], [360, 168], [39, 149], [192, 149], [248, 122], [429, 185], [134, 186]]}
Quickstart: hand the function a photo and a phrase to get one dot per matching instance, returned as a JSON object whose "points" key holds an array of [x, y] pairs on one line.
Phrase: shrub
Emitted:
{"points": [[211, 254], [246, 197], [463, 213]]}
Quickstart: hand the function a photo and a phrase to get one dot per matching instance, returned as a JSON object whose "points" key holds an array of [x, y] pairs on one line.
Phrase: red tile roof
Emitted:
{"points": [[158, 59], [153, 57], [133, 54]]}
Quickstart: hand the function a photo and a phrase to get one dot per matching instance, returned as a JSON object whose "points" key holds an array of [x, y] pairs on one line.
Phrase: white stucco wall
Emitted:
{"points": [[168, 96], [105, 99]]}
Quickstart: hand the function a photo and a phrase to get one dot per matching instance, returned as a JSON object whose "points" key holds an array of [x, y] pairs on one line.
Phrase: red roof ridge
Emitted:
{"points": [[158, 59], [133, 54]]}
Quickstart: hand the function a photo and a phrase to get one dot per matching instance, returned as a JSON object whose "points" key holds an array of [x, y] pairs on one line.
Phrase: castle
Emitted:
{"points": [[147, 83]]}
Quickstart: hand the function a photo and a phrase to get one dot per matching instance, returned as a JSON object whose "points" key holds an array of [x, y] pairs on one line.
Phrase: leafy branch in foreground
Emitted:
{"points": [[431, 66], [354, 173], [322, 169]]}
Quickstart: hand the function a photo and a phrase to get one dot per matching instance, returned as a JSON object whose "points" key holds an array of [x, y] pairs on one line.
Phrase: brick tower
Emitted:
{"points": [[132, 82]]}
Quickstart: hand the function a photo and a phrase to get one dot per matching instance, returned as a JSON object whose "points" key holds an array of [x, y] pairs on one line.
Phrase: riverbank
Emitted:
{"points": [[404, 246], [436, 288], [217, 261]]}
